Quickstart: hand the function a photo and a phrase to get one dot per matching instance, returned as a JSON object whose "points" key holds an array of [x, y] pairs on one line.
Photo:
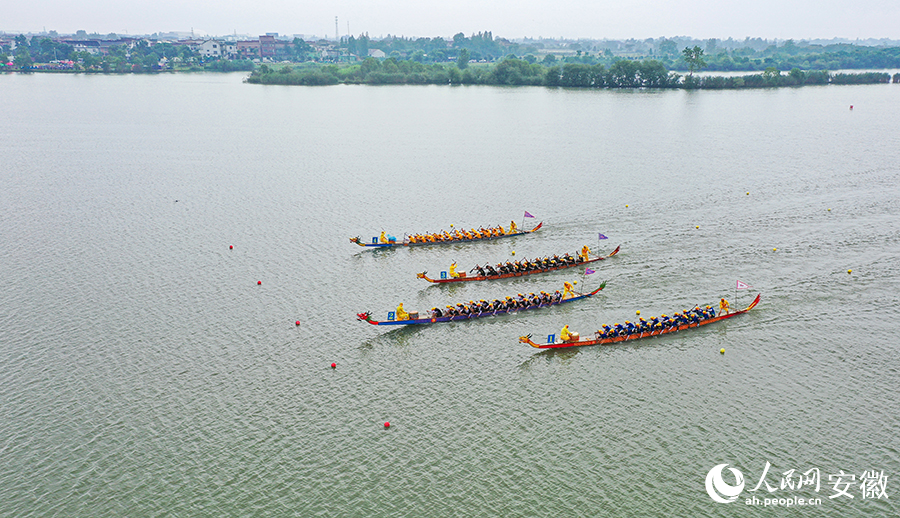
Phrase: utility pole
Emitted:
{"points": [[336, 37]]}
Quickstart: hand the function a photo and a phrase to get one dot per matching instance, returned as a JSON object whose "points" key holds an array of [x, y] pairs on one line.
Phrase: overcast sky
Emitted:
{"points": [[598, 19]]}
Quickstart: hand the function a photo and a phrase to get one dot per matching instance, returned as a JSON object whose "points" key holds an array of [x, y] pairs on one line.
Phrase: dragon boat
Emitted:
{"points": [[444, 238], [463, 277], [552, 343], [391, 321]]}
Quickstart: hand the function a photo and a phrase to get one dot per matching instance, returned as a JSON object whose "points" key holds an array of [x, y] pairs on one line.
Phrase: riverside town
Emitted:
{"points": [[480, 58]]}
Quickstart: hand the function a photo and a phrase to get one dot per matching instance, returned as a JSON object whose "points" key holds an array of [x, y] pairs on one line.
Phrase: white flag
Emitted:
{"points": [[742, 286]]}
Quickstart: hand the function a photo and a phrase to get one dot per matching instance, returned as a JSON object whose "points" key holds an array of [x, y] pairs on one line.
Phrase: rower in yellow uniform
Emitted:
{"points": [[568, 290], [724, 309], [512, 227], [585, 252], [453, 274], [381, 238], [401, 313]]}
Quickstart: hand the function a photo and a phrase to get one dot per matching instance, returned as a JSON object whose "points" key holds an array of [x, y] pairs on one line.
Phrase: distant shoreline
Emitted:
{"points": [[516, 72]]}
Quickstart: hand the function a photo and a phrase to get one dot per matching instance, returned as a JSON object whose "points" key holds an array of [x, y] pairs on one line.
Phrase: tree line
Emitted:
{"points": [[514, 71], [141, 57]]}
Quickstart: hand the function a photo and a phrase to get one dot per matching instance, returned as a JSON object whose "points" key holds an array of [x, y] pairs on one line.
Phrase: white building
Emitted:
{"points": [[210, 49]]}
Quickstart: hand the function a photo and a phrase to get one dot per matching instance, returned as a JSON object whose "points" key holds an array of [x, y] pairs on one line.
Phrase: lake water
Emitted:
{"points": [[145, 372]]}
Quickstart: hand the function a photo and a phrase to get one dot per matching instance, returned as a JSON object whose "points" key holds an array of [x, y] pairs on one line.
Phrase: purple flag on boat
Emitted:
{"points": [[602, 237], [527, 215], [588, 271]]}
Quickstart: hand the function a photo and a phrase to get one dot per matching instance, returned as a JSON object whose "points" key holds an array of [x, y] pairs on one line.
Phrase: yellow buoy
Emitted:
{"points": [[829, 210], [774, 249], [638, 312], [722, 351], [626, 206], [698, 226], [849, 271], [748, 193], [575, 282], [513, 252]]}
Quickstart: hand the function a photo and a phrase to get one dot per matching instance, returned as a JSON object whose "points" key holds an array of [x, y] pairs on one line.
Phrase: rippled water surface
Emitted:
{"points": [[146, 372]]}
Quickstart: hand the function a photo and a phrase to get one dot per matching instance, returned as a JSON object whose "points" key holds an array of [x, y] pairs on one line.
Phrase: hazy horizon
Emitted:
{"points": [[568, 19]]}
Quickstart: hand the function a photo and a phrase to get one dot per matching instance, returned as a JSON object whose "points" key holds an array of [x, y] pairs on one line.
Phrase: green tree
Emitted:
{"points": [[790, 48], [653, 74], [23, 58], [369, 65], [85, 58], [694, 58], [117, 51], [152, 60], [462, 61], [623, 73], [668, 47], [301, 49], [454, 75]]}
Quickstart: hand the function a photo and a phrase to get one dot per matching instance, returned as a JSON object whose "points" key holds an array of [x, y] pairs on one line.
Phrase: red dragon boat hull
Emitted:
{"points": [[637, 336]]}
